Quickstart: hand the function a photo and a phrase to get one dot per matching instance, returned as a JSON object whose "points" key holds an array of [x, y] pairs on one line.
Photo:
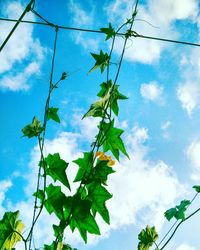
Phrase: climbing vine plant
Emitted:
{"points": [[79, 209]]}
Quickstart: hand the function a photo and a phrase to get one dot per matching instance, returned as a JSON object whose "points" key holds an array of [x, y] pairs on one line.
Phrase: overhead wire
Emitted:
{"points": [[136, 35]]}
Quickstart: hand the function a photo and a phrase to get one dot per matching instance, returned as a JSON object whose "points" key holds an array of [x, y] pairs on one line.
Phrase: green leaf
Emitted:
{"points": [[52, 114], [110, 32], [85, 165], [58, 232], [147, 237], [33, 129], [97, 109], [177, 212], [9, 226], [40, 195], [197, 188], [56, 168], [98, 195], [60, 246], [114, 95], [170, 213], [101, 171], [82, 218], [55, 201], [181, 209], [102, 61], [112, 140]]}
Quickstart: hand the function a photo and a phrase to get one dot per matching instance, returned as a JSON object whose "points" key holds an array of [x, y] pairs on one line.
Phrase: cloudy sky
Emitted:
{"points": [[160, 118]]}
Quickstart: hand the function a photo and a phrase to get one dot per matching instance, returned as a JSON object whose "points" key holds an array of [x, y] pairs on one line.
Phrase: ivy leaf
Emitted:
{"points": [[85, 166], [181, 209], [170, 213], [52, 114], [102, 61], [97, 108], [147, 237], [58, 232], [33, 129], [56, 168], [110, 32], [9, 226], [55, 201], [197, 188], [40, 195], [98, 195], [115, 95], [112, 141], [82, 218], [177, 212], [101, 171]]}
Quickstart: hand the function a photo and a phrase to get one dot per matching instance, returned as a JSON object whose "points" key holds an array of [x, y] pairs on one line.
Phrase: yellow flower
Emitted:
{"points": [[103, 157]]}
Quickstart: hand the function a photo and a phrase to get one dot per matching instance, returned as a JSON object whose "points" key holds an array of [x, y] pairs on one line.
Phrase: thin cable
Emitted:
{"points": [[136, 35], [27, 9]]}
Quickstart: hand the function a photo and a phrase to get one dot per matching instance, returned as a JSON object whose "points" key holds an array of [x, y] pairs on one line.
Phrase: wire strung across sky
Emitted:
{"points": [[47, 23]]}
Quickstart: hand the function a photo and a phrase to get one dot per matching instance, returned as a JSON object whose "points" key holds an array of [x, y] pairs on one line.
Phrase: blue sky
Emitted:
{"points": [[160, 118]]}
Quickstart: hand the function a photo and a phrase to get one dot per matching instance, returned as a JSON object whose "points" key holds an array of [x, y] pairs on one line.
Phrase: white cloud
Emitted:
{"points": [[185, 247], [152, 92], [193, 153], [159, 13], [189, 96], [22, 47]]}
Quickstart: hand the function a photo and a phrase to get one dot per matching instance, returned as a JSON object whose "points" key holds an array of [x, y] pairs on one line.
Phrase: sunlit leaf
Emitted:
{"points": [[147, 237], [10, 229], [33, 129]]}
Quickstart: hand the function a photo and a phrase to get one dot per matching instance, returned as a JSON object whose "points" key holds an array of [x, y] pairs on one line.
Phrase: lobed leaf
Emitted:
{"points": [[10, 229], [147, 237], [177, 212], [85, 165], [112, 140], [110, 32], [102, 61], [33, 129], [56, 168], [98, 195], [52, 114]]}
